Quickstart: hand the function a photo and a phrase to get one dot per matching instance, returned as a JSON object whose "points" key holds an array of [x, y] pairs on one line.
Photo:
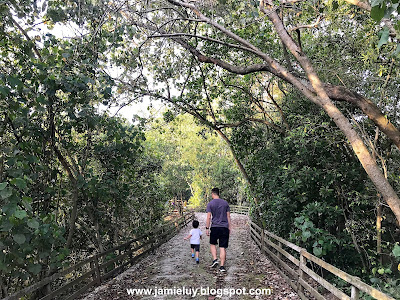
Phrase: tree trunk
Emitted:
{"points": [[239, 164], [353, 238], [242, 169], [3, 287], [74, 214], [379, 231], [98, 235], [378, 204], [1, 168]]}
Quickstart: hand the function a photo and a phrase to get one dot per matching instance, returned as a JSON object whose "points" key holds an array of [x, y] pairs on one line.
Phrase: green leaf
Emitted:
{"points": [[44, 254], [317, 251], [6, 226], [19, 238], [4, 90], [378, 12], [384, 37], [396, 251], [33, 224], [3, 185], [306, 234], [5, 193], [3, 266], [390, 10], [19, 182], [381, 271], [35, 268], [376, 2], [397, 52], [26, 203], [20, 214], [14, 81], [374, 279]]}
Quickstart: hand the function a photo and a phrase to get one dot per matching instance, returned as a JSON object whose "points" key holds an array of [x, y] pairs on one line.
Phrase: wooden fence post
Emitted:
{"points": [[95, 265], [262, 241], [355, 293], [279, 254], [301, 273]]}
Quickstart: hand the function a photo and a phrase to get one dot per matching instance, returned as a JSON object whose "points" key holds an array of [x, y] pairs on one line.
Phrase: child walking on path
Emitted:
{"points": [[195, 236]]}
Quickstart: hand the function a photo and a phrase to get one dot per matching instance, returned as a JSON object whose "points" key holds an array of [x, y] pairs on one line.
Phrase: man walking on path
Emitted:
{"points": [[219, 210]]}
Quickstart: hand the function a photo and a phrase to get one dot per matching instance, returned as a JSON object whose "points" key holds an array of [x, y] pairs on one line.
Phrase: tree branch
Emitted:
{"points": [[314, 25], [27, 37], [203, 38]]}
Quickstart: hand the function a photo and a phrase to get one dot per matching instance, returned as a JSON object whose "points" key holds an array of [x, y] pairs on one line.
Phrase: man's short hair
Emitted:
{"points": [[215, 191], [195, 224]]}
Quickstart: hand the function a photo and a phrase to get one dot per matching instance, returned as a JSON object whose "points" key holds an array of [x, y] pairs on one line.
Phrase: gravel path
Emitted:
{"points": [[172, 267]]}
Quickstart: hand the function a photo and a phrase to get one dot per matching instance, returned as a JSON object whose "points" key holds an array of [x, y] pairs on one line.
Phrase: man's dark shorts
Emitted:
{"points": [[195, 247], [219, 235]]}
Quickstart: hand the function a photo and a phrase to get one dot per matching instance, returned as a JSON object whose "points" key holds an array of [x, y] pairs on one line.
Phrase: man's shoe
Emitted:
{"points": [[214, 263], [222, 269]]}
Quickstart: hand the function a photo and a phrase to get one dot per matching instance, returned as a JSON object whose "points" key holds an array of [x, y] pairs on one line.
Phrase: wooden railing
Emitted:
{"points": [[73, 281], [238, 209], [299, 275]]}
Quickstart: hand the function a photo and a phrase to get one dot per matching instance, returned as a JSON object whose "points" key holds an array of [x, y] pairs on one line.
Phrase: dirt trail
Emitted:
{"points": [[171, 266]]}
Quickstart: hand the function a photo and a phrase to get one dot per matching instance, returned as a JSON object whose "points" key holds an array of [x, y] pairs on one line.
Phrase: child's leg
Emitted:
{"points": [[197, 253]]}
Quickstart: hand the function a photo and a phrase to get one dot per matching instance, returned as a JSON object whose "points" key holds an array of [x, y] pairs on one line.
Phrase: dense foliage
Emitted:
{"points": [[194, 159], [70, 178]]}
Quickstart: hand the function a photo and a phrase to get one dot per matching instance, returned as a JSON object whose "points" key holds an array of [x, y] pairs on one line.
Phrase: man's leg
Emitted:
{"points": [[213, 246], [213, 249], [222, 255], [223, 244]]}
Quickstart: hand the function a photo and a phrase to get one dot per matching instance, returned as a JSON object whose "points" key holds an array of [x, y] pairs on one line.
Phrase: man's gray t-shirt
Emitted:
{"points": [[218, 209]]}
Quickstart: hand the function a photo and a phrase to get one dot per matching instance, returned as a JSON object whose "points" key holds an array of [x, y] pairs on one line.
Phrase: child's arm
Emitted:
{"points": [[188, 237]]}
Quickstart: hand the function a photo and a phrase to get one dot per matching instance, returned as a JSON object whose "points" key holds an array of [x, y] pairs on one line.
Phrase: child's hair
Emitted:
{"points": [[195, 223]]}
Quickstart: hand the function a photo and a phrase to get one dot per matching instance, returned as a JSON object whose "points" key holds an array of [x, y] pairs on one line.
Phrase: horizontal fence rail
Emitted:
{"points": [[69, 283], [243, 210], [237, 209], [300, 276]]}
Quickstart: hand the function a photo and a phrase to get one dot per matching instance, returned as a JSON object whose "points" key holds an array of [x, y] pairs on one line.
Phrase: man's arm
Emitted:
{"points": [[228, 216], [208, 221]]}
